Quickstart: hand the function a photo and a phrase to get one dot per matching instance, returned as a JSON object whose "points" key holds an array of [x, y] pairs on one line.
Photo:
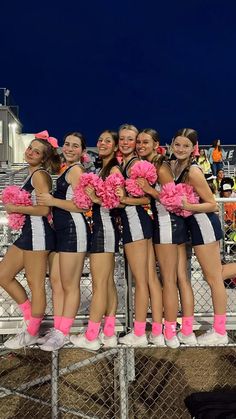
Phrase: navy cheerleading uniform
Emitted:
{"points": [[37, 234], [136, 223], [105, 235], [168, 228], [204, 228], [72, 229]]}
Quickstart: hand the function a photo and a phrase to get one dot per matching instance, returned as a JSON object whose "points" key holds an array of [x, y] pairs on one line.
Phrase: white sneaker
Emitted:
{"points": [[132, 340], [108, 341], [172, 343], [187, 339], [55, 341], [158, 340], [43, 339], [81, 341], [21, 340], [212, 338]]}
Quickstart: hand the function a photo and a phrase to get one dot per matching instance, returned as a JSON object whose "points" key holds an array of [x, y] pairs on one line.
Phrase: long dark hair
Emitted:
{"points": [[51, 159], [78, 135], [105, 171], [214, 144]]}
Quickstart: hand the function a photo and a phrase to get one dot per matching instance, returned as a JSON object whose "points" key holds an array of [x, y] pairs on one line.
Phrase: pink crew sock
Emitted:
{"points": [[92, 330], [109, 325], [219, 323], [34, 325], [25, 309], [187, 325], [156, 328], [57, 322], [139, 328], [170, 329], [65, 325]]}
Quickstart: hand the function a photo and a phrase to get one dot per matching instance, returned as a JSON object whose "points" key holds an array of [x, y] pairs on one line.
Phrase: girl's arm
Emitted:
{"points": [[198, 182], [42, 184]]}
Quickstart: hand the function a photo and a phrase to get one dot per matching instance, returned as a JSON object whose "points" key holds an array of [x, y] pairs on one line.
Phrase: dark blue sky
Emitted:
{"points": [[93, 65]]}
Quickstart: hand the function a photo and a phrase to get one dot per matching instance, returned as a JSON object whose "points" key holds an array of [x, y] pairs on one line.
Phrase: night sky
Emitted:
{"points": [[91, 65]]}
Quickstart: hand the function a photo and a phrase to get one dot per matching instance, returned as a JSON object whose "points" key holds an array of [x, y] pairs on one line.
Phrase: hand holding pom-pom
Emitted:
{"points": [[81, 198], [109, 197], [176, 197], [142, 169], [13, 195]]}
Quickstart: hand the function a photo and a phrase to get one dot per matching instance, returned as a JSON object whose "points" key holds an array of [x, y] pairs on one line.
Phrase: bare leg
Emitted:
{"points": [[112, 299], [10, 266], [137, 256], [154, 285], [71, 268], [184, 284], [55, 279], [208, 256], [102, 268], [35, 263], [167, 255], [228, 270]]}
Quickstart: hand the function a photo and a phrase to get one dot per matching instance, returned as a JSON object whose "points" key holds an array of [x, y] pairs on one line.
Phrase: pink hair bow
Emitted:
{"points": [[196, 150], [43, 135]]}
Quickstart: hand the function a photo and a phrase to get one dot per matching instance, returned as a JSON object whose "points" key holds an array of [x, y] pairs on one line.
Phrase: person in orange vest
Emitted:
{"points": [[216, 156]]}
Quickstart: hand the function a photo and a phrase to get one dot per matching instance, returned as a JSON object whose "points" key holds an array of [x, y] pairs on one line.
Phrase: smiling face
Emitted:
{"points": [[106, 145], [34, 154], [72, 149], [127, 141], [182, 148], [145, 145]]}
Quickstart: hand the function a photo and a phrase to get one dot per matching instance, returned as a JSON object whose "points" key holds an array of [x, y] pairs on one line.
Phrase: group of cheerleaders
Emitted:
{"points": [[146, 240]]}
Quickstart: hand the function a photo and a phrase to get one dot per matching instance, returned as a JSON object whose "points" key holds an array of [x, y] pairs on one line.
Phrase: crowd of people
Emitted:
{"points": [[56, 232]]}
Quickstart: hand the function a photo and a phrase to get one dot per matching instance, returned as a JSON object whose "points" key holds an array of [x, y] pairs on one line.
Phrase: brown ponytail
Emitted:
{"points": [[51, 159]]}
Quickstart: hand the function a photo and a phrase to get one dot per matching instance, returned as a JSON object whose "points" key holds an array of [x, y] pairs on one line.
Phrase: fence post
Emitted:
{"points": [[54, 382], [124, 408]]}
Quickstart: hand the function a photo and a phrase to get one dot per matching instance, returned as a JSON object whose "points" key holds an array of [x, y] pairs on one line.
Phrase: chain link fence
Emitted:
{"points": [[120, 382]]}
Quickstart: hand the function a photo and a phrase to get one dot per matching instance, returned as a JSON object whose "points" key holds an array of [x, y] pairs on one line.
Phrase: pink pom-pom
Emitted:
{"points": [[16, 196], [171, 197], [109, 198], [142, 169], [80, 198], [133, 188]]}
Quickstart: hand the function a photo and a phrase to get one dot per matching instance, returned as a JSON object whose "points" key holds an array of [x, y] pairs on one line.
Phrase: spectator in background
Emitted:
{"points": [[226, 189], [216, 156], [220, 176], [210, 180], [203, 161]]}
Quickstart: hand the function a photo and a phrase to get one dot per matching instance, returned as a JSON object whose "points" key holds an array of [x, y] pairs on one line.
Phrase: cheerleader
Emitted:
{"points": [[137, 234], [72, 238], [30, 250], [169, 239], [104, 244], [205, 230]]}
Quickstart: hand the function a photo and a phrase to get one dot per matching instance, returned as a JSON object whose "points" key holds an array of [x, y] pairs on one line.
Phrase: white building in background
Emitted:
{"points": [[13, 142]]}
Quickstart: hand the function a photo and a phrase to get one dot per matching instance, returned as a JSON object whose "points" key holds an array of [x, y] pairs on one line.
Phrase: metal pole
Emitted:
{"points": [[54, 386], [124, 410]]}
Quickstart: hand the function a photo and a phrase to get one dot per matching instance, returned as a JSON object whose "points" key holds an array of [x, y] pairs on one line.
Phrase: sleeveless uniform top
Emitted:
{"points": [[136, 223], [105, 235], [204, 228], [37, 234], [168, 228], [72, 229]]}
